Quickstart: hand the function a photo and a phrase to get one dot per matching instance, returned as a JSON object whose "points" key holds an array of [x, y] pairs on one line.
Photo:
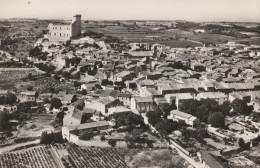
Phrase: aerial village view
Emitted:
{"points": [[82, 93]]}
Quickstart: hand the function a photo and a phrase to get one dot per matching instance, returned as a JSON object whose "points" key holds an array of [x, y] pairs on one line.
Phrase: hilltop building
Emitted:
{"points": [[64, 32]]}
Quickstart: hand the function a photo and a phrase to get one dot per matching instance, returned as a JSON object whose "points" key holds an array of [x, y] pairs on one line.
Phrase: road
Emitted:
{"points": [[187, 158], [183, 155], [12, 147]]}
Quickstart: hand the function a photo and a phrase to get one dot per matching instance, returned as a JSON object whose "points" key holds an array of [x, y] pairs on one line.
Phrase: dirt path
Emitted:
{"points": [[12, 147]]}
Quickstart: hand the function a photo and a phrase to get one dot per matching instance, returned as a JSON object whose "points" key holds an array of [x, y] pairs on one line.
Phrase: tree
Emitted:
{"points": [[241, 107], [217, 119], [77, 84], [202, 113], [30, 88], [112, 142], [102, 138], [154, 117], [226, 107], [10, 98], [55, 103], [67, 62], [168, 109], [166, 125], [74, 98], [86, 136], [127, 119], [4, 121], [56, 77], [84, 92], [60, 117], [188, 106], [241, 143], [47, 138], [135, 133], [46, 100]]}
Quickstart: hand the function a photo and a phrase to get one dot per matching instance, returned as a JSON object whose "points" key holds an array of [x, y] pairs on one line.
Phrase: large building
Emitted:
{"points": [[64, 32]]}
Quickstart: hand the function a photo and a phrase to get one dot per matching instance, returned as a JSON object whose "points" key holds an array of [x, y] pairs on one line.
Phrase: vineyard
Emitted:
{"points": [[58, 156], [15, 74]]}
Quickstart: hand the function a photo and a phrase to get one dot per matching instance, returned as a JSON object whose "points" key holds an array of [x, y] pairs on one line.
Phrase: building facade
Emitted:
{"points": [[64, 32]]}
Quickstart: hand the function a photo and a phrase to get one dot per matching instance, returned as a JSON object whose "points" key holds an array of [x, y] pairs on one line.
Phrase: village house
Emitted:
{"points": [[150, 92], [102, 104], [8, 107], [69, 132], [125, 98], [181, 116], [123, 76], [142, 104], [145, 83], [178, 98], [72, 117], [27, 96], [216, 96], [89, 86], [3, 92]]}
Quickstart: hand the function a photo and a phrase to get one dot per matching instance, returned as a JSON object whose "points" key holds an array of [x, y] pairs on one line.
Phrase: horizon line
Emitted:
{"points": [[131, 20]]}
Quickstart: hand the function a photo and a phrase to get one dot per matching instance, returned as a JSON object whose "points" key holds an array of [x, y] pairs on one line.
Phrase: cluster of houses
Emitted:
{"points": [[143, 77]]}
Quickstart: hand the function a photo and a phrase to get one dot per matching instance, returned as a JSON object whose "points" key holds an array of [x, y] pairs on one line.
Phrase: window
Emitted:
{"points": [[60, 34], [54, 34], [60, 27]]}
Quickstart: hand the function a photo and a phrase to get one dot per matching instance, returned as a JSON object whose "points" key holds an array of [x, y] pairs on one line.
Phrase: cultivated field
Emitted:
{"points": [[149, 35], [36, 125], [59, 156]]}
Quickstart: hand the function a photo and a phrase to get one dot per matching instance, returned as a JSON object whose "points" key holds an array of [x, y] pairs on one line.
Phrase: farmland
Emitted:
{"points": [[63, 156], [153, 34]]}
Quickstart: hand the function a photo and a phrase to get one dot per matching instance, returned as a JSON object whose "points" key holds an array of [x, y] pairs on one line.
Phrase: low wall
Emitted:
{"points": [[180, 148], [93, 143]]}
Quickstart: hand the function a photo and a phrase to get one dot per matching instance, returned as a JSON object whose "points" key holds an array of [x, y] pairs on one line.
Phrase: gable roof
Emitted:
{"points": [[141, 53], [67, 97], [181, 114], [88, 125], [210, 160], [143, 99], [122, 74]]}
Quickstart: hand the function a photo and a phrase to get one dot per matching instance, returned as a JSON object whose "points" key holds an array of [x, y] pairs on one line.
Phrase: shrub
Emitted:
{"points": [[112, 142], [48, 138], [86, 136], [102, 138], [255, 143]]}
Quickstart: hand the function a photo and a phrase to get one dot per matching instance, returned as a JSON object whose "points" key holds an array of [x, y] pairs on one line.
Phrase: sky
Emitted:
{"points": [[191, 10]]}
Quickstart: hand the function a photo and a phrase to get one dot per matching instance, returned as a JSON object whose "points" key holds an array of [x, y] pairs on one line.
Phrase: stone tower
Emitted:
{"points": [[76, 26]]}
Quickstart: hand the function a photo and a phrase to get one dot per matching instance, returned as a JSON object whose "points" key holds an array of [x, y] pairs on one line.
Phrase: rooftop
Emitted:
{"points": [[181, 114], [143, 99], [89, 125]]}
